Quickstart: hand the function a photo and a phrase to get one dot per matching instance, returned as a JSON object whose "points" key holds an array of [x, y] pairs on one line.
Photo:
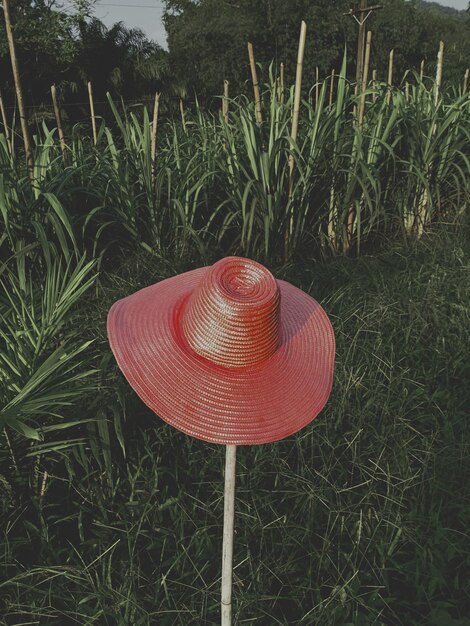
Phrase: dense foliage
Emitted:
{"points": [[229, 184], [71, 48], [114, 518], [207, 43], [207, 39]]}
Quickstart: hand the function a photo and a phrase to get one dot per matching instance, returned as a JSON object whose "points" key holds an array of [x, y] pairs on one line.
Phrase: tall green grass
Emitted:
{"points": [[227, 186], [361, 518]]}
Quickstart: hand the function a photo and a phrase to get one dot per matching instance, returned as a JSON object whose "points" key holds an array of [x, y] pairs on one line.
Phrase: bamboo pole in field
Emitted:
{"points": [[92, 111], [332, 82], [18, 90], [183, 116], [281, 83], [440, 60], [225, 101], [365, 74], [390, 68], [294, 129], [407, 90], [153, 138], [421, 71], [361, 40], [297, 90], [422, 216], [227, 543], [254, 78], [390, 75], [317, 86], [58, 122], [6, 130], [360, 121], [465, 81], [374, 85]]}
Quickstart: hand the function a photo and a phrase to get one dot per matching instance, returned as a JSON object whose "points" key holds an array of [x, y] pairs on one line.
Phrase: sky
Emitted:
{"points": [[143, 14], [147, 15]]}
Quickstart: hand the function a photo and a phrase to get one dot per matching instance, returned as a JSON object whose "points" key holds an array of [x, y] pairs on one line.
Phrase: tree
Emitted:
{"points": [[71, 48], [208, 39], [118, 59], [45, 42]]}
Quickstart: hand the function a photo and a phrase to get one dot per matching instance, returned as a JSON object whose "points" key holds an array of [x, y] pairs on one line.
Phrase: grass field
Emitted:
{"points": [[360, 519]]}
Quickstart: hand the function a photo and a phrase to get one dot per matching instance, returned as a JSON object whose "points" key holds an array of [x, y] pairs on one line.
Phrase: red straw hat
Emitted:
{"points": [[226, 353]]}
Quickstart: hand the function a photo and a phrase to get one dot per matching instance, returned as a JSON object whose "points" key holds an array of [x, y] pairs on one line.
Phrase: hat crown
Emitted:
{"points": [[232, 316]]}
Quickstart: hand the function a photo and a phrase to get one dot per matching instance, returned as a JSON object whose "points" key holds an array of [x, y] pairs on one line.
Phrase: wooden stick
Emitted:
{"points": [[374, 85], [19, 90], [227, 545], [465, 81], [297, 90], [92, 111], [153, 138], [281, 83], [360, 121], [365, 74], [254, 78], [390, 68], [332, 82], [6, 130], [58, 121], [317, 86], [440, 59], [421, 71], [225, 101], [407, 90], [361, 40], [183, 117], [295, 126], [423, 206], [390, 75]]}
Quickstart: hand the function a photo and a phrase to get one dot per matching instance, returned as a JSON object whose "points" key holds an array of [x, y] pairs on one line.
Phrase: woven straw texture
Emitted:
{"points": [[226, 353]]}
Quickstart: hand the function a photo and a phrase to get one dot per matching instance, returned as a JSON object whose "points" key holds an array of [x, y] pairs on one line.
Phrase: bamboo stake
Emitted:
{"points": [[361, 39], [332, 82], [440, 59], [407, 90], [58, 122], [365, 74], [183, 117], [390, 68], [281, 83], [92, 111], [225, 101], [153, 138], [374, 85], [360, 121], [421, 71], [317, 86], [254, 78], [423, 212], [465, 81], [295, 126], [19, 90], [297, 91], [390, 75], [6, 130], [227, 544]]}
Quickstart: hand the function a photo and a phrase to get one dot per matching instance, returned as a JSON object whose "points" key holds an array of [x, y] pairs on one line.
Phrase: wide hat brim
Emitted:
{"points": [[258, 404]]}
